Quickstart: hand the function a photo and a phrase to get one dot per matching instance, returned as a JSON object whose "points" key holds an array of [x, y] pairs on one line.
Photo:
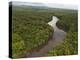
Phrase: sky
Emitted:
{"points": [[48, 4], [54, 5]]}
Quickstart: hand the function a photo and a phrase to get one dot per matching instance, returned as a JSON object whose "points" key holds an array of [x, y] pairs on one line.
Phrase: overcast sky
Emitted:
{"points": [[52, 5]]}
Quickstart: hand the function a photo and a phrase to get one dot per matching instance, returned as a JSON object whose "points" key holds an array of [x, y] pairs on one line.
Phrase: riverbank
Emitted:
{"points": [[57, 38]]}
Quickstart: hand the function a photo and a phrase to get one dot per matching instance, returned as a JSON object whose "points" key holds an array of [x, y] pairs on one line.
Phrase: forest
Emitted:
{"points": [[30, 30]]}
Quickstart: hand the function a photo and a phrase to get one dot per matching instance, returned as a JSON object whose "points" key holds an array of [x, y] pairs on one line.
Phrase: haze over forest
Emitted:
{"points": [[50, 5]]}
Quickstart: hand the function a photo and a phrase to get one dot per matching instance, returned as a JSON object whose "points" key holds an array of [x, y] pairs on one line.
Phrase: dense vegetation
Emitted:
{"points": [[68, 22], [30, 30]]}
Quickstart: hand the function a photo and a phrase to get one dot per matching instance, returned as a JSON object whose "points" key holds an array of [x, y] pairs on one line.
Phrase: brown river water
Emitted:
{"points": [[57, 38]]}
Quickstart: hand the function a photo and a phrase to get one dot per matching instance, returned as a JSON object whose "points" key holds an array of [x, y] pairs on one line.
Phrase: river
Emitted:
{"points": [[57, 38]]}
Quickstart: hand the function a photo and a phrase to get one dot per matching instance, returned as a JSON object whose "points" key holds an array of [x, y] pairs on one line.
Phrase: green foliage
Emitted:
{"points": [[69, 47], [68, 22], [30, 30], [18, 45]]}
